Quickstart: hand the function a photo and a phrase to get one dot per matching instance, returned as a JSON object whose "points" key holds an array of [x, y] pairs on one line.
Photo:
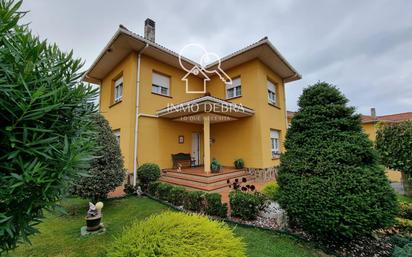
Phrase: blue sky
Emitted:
{"points": [[362, 47]]}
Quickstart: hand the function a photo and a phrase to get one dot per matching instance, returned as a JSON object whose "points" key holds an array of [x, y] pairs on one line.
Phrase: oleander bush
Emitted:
{"points": [[178, 234], [46, 133], [331, 183], [214, 205], [271, 190], [246, 205], [194, 201], [107, 171], [146, 173]]}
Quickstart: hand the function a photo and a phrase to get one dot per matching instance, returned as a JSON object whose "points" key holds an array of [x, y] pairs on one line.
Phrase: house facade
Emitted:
{"points": [[156, 109]]}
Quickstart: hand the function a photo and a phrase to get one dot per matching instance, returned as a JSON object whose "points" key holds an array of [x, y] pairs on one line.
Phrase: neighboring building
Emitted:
{"points": [[369, 122], [140, 79]]}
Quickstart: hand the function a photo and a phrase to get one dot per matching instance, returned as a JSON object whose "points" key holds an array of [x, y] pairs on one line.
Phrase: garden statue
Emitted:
{"points": [[139, 191], [94, 216]]}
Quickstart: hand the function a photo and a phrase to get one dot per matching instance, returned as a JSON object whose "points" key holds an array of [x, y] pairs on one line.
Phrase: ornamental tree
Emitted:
{"points": [[45, 137], [394, 143], [330, 182], [106, 171]]}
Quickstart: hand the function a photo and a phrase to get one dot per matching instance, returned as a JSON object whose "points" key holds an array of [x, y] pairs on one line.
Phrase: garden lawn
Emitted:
{"points": [[60, 234]]}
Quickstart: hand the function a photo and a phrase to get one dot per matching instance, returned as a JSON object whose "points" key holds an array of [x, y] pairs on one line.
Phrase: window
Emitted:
{"points": [[118, 89], [274, 142], [271, 93], [160, 84], [234, 90], [116, 133]]}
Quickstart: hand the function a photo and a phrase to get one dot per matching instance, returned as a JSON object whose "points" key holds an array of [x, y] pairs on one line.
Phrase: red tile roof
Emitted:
{"points": [[398, 117]]}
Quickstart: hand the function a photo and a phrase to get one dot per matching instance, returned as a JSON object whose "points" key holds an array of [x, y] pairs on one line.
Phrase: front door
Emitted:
{"points": [[196, 148]]}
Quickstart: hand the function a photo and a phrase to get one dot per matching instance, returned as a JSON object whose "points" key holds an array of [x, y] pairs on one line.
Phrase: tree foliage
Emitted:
{"points": [[394, 143], [330, 181], [106, 171], [45, 137]]}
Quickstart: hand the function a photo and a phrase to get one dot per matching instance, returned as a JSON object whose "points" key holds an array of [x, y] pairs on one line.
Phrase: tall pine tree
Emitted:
{"points": [[330, 181]]}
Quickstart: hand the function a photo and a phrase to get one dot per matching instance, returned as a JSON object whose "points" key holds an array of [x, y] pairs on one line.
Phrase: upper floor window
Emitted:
{"points": [[118, 89], [234, 89], [272, 96], [160, 84], [274, 141], [116, 133]]}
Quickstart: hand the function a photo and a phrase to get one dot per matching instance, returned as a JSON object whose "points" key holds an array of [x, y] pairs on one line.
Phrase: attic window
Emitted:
{"points": [[160, 84]]}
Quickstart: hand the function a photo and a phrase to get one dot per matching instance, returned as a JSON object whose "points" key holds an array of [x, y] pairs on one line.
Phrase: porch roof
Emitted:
{"points": [[193, 111]]}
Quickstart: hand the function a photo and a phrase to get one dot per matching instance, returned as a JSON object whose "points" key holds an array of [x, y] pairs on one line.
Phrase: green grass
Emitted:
{"points": [[404, 199], [60, 234]]}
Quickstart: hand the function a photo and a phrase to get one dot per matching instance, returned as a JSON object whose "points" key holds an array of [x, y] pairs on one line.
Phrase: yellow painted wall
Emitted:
{"points": [[249, 138], [370, 130], [158, 137], [121, 114]]}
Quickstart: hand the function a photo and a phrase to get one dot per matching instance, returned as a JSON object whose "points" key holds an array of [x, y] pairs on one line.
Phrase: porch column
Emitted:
{"points": [[206, 143]]}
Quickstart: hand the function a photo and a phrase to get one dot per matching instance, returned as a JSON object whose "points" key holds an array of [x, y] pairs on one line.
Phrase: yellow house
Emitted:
{"points": [[370, 122], [159, 104]]}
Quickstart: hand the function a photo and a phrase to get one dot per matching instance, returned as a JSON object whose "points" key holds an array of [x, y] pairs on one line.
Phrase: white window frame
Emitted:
{"points": [[275, 143], [160, 84], [118, 89], [116, 133], [272, 92], [236, 87]]}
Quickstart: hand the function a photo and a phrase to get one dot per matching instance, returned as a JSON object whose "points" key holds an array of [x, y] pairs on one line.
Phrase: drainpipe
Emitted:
{"points": [[137, 115]]}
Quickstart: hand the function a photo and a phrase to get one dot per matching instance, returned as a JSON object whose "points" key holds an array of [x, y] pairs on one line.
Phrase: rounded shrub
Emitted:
{"points": [[246, 205], [271, 190], [330, 181], [177, 234], [239, 163], [148, 172], [214, 205]]}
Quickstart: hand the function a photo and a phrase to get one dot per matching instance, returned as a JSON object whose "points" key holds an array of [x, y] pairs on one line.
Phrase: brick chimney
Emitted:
{"points": [[149, 29], [373, 112]]}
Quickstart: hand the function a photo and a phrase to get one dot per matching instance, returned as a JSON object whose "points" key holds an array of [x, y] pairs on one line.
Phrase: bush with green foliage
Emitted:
{"points": [[163, 191], [178, 234], [405, 211], [214, 205], [194, 201], [239, 163], [177, 195], [246, 205], [215, 166], [152, 188], [394, 143], [106, 171], [129, 189], [146, 173], [45, 131], [330, 181], [271, 190]]}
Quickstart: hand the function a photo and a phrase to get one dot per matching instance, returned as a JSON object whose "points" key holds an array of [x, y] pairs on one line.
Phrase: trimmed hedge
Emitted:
{"points": [[194, 201], [214, 206], [178, 234], [246, 205]]}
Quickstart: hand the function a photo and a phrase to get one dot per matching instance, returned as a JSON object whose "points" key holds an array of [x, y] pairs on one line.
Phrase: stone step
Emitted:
{"points": [[206, 180]]}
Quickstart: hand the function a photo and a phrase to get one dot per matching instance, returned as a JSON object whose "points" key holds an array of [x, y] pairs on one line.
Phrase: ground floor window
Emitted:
{"points": [[274, 141]]}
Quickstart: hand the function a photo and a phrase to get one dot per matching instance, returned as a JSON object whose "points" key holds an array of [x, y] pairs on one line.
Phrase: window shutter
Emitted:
{"points": [[160, 80]]}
